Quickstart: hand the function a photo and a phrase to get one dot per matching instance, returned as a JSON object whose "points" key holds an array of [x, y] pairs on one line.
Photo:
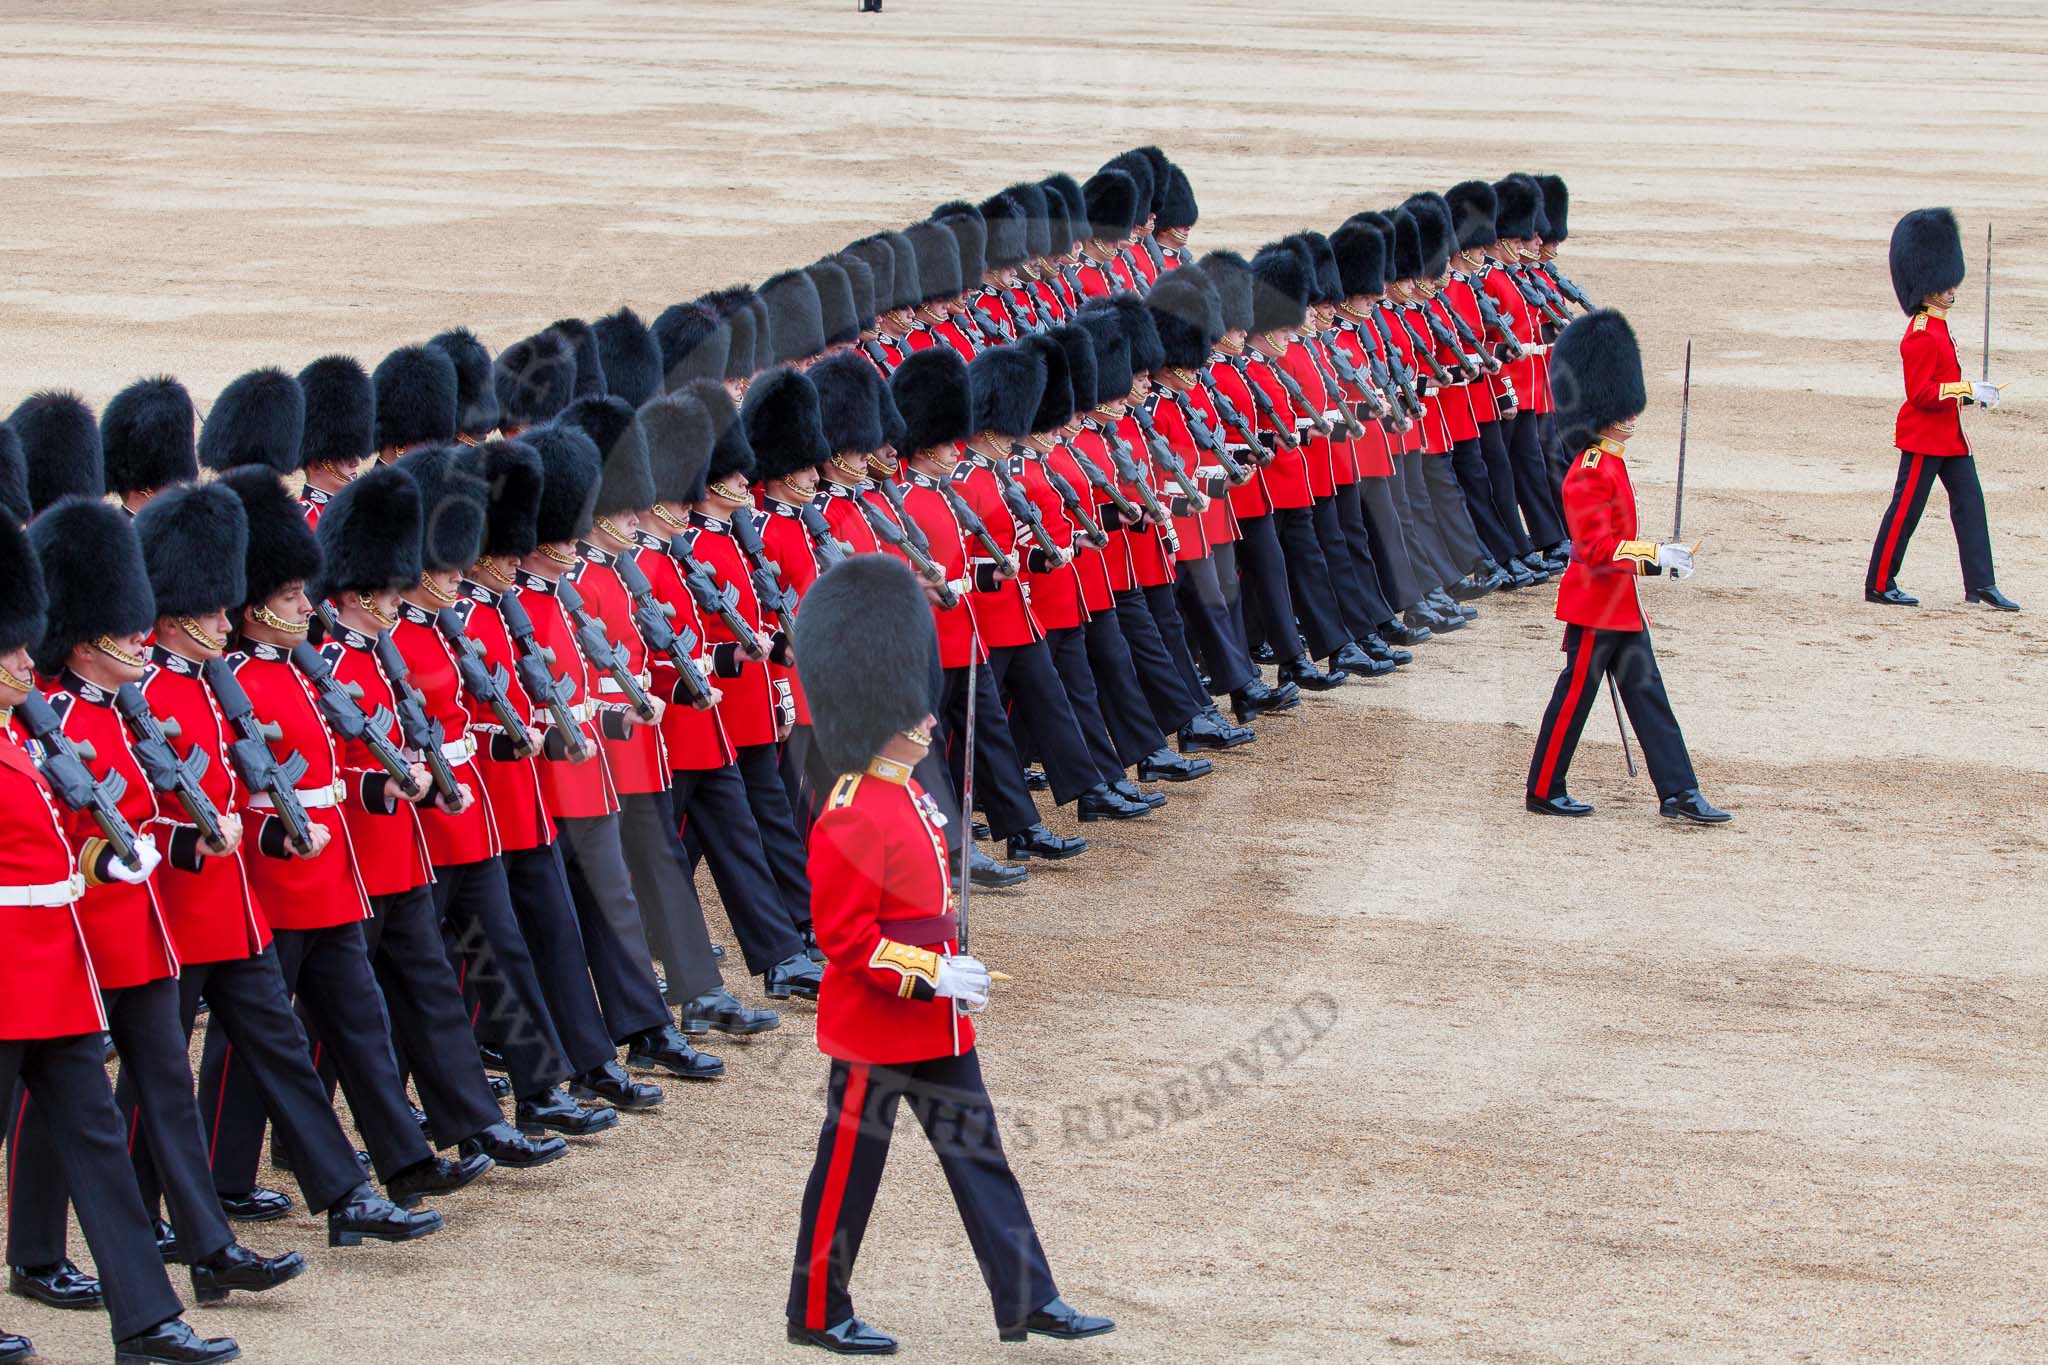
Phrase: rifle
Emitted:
{"points": [[1469, 344], [1168, 460], [1396, 417], [829, 548], [1091, 529], [1437, 372], [1353, 428], [1578, 295], [602, 651], [1227, 410], [872, 349], [993, 329], [1491, 316], [421, 730], [1397, 369], [167, 772], [908, 539], [64, 767], [1532, 295], [1283, 433], [1348, 371], [1126, 466], [250, 754], [653, 618], [1209, 439], [1071, 274], [1026, 512], [488, 685], [341, 704], [1553, 301], [1104, 485], [971, 522], [713, 600], [774, 595], [1441, 332], [535, 663]]}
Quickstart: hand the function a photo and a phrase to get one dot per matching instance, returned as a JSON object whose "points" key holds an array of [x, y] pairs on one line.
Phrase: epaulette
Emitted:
{"points": [[843, 790], [333, 651], [1920, 323], [960, 472], [1592, 460], [60, 703], [235, 660], [1014, 465]]}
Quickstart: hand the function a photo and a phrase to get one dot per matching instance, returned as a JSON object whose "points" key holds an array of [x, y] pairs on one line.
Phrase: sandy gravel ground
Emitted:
{"points": [[1344, 1057]]}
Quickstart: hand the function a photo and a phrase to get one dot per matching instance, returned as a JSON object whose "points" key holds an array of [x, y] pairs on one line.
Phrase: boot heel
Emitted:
{"points": [[209, 1294], [337, 1237]]}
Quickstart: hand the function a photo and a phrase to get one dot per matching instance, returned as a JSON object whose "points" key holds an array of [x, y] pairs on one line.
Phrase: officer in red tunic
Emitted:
{"points": [[1606, 634], [341, 428], [1927, 265], [897, 981], [52, 1019]]}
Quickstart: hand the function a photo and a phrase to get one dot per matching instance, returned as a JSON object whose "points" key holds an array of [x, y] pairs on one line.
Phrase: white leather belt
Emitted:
{"points": [[46, 896], [609, 686], [459, 751], [312, 798], [582, 711]]}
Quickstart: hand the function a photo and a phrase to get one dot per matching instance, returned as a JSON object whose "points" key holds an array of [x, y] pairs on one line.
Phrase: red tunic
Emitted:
{"points": [[840, 505], [472, 836], [1219, 523], [1286, 479], [1459, 298], [638, 762], [1055, 594], [1599, 587], [750, 691], [1372, 452], [312, 502], [787, 542], [1931, 420], [1521, 320], [1091, 566], [390, 850], [1002, 610], [878, 878], [512, 784], [1151, 559], [1411, 332], [1459, 414], [1187, 521], [959, 641], [695, 740], [1319, 454], [572, 790], [1249, 499], [47, 986]]}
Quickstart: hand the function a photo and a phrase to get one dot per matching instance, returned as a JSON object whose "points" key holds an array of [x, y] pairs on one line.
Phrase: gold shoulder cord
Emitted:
{"points": [[843, 790]]}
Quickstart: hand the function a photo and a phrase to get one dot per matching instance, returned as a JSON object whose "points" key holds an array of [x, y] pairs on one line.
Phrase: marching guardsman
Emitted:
{"points": [[52, 1018], [1927, 265], [315, 905], [476, 396], [60, 448], [897, 981], [417, 400], [146, 441], [512, 748], [1607, 636], [1517, 202], [340, 431], [259, 419], [1112, 213], [99, 614]]}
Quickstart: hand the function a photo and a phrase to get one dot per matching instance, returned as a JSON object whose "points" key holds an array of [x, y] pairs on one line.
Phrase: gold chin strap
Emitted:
{"points": [[13, 684], [270, 620], [668, 518], [105, 645], [604, 524], [554, 556], [724, 490], [370, 609], [491, 570], [919, 736], [446, 599], [855, 472], [199, 636]]}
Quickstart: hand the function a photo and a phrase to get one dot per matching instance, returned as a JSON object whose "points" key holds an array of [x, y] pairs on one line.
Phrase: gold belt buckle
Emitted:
{"points": [[340, 789]]}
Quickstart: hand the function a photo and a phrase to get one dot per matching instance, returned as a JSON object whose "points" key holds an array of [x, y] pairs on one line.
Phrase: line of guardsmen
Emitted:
{"points": [[385, 716]]}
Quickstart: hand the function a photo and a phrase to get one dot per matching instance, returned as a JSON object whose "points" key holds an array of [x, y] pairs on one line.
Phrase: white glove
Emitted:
{"points": [[965, 979], [1983, 395], [1675, 560], [146, 859]]}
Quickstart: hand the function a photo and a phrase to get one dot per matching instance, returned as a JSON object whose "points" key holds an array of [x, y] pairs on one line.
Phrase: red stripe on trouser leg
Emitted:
{"points": [[1565, 712], [14, 1157], [844, 1136], [1907, 495], [220, 1101]]}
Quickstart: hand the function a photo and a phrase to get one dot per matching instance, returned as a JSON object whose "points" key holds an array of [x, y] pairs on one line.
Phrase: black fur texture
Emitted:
{"points": [[678, 433], [1361, 260], [860, 279], [1433, 225], [476, 399], [1007, 382], [590, 378], [1187, 316], [732, 455], [417, 398], [1232, 276], [281, 546], [1008, 235], [865, 651], [1557, 206], [632, 359], [1926, 256], [1474, 206], [780, 414], [194, 541], [1517, 201], [1147, 354], [23, 602], [970, 240], [796, 323], [511, 474], [452, 503], [693, 342], [1056, 395], [570, 471], [534, 378], [1073, 339], [341, 411], [60, 448], [14, 505], [937, 402], [93, 577], [1112, 205], [369, 535], [258, 419], [850, 393], [838, 315], [938, 261], [613, 426], [744, 343], [1177, 206], [1280, 289], [1596, 375], [1113, 375]]}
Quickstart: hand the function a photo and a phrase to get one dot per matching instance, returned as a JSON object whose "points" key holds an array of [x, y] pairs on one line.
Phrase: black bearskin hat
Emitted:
{"points": [[1596, 375], [865, 652], [1161, 169], [570, 471], [906, 291], [892, 418], [1517, 201], [932, 392], [60, 448], [476, 399], [745, 345], [511, 474], [369, 535], [731, 452], [1063, 187], [879, 257], [1232, 276], [1147, 354], [13, 479], [1188, 317], [1030, 201], [938, 261], [860, 278], [1144, 178], [1927, 256], [1406, 241], [838, 316], [627, 482], [1433, 226], [23, 602], [1557, 204], [796, 324], [1080, 351], [1112, 204], [1361, 260], [1008, 236], [1113, 375], [850, 392], [631, 357], [146, 436], [1056, 397], [1473, 205], [453, 498], [1328, 283], [783, 425], [693, 344], [258, 419], [970, 237], [194, 541], [1060, 232], [341, 411], [93, 577], [1007, 382], [1280, 289], [590, 380], [535, 378], [678, 432], [1177, 207], [417, 398], [281, 546]]}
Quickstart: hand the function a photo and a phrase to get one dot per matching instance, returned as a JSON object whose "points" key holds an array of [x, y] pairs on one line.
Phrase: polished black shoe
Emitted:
{"points": [[1266, 698], [811, 948], [1036, 780], [1449, 606], [1263, 654], [1472, 587], [610, 1083], [1564, 803], [257, 1206], [1131, 791], [174, 1343], [719, 1010], [1040, 842], [989, 872], [1104, 802], [13, 1348], [1894, 596], [166, 1241], [363, 1213], [850, 1338], [435, 1175], [1353, 658], [234, 1266], [1057, 1319], [1380, 649], [980, 830], [1210, 731], [666, 1049], [1991, 597], [552, 1111], [1164, 765], [493, 1059], [1527, 574], [1404, 632], [793, 976], [1690, 805], [501, 1089], [62, 1285], [512, 1149], [1436, 622], [1306, 677]]}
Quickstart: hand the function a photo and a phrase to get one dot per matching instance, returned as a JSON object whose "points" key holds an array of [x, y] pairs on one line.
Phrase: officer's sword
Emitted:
{"points": [[1684, 419], [967, 792], [1987, 303]]}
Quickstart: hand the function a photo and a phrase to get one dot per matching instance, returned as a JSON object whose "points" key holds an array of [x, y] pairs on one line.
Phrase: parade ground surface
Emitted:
{"points": [[1341, 1055]]}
